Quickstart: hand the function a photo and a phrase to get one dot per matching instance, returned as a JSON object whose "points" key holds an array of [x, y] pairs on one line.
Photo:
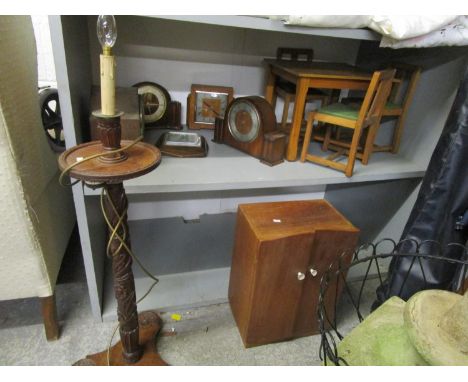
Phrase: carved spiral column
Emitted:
{"points": [[124, 284]]}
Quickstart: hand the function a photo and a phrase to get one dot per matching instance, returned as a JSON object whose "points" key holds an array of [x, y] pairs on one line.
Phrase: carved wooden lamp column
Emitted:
{"points": [[137, 345]]}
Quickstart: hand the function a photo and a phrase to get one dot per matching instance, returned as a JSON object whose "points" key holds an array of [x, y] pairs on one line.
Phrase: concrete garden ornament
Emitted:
{"points": [[437, 324], [430, 329]]}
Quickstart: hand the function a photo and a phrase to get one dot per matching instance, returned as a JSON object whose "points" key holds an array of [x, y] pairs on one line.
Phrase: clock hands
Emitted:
{"points": [[211, 108]]}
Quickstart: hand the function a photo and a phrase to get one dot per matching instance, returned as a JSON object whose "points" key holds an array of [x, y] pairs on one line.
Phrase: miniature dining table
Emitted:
{"points": [[306, 75]]}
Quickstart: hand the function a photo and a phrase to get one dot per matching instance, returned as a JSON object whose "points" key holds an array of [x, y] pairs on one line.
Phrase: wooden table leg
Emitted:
{"points": [[302, 87], [270, 94]]}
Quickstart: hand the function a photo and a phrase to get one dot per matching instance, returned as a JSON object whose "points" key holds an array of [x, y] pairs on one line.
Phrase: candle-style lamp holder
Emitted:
{"points": [[137, 345]]}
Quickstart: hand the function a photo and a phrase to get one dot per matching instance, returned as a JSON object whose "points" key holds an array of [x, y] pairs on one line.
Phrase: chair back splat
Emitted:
{"points": [[374, 101], [294, 54]]}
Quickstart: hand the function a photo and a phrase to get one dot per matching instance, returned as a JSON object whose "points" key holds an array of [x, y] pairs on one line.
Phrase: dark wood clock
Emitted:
{"points": [[155, 99], [249, 125]]}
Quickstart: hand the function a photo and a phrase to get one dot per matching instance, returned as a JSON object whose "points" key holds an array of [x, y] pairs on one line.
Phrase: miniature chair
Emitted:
{"points": [[367, 117], [287, 90], [401, 95]]}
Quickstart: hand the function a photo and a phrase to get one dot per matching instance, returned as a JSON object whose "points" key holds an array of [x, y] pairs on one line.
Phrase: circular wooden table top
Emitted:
{"points": [[142, 158]]}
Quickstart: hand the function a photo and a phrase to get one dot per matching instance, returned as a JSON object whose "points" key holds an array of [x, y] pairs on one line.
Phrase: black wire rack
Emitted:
{"points": [[342, 298]]}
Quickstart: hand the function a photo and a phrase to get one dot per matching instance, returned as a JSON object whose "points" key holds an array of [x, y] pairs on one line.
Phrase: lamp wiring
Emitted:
{"points": [[114, 230]]}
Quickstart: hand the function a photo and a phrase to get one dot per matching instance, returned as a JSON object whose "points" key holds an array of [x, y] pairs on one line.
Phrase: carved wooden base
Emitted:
{"points": [[150, 325]]}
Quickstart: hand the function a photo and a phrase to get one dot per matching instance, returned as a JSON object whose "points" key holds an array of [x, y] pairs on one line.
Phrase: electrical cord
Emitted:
{"points": [[114, 234], [68, 169]]}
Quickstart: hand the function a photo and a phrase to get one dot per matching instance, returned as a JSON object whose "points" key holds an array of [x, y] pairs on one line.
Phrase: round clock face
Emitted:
{"points": [[243, 121], [155, 99]]}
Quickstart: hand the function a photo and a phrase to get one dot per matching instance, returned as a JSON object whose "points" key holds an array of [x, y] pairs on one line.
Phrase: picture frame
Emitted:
{"points": [[205, 103]]}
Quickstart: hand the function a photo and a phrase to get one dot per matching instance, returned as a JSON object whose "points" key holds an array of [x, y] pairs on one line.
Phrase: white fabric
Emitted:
{"points": [[402, 27], [36, 213], [328, 21], [394, 26], [453, 34]]}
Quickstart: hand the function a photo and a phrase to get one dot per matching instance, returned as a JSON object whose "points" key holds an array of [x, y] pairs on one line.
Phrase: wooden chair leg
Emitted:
{"points": [[397, 135], [284, 119], [353, 152], [338, 133], [326, 139], [307, 136], [49, 316], [369, 144]]}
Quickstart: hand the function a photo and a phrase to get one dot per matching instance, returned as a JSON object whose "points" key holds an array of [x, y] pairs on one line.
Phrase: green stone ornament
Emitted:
{"points": [[381, 339]]}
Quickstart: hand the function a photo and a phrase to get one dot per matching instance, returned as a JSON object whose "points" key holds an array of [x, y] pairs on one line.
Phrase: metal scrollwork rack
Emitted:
{"points": [[355, 294]]}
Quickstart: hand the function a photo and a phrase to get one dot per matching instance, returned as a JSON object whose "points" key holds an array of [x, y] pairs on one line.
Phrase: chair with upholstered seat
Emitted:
{"points": [[287, 90], [403, 88], [350, 117]]}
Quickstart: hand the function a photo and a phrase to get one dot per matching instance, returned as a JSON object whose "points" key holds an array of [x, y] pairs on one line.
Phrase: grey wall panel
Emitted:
{"points": [[369, 206], [203, 53], [171, 245]]}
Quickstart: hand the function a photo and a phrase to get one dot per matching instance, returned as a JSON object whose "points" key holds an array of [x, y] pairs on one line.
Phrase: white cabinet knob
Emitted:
{"points": [[300, 276], [313, 272]]}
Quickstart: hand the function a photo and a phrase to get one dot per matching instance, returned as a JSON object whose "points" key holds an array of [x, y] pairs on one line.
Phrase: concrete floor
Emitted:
{"points": [[203, 336]]}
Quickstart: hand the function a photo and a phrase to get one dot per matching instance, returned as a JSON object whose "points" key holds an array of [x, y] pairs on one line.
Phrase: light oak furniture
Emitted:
{"points": [[281, 250], [367, 117], [287, 90], [37, 213], [306, 75], [403, 87]]}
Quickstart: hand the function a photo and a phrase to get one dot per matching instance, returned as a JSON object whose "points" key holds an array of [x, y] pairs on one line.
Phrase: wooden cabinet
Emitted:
{"points": [[281, 251]]}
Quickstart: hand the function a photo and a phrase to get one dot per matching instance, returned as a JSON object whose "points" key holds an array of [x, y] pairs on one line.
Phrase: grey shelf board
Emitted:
{"points": [[226, 168], [174, 291], [262, 23]]}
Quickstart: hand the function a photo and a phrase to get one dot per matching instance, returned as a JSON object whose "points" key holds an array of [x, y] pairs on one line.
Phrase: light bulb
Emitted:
{"points": [[106, 32]]}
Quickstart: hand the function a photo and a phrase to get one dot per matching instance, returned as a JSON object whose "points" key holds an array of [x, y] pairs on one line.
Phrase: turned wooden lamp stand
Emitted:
{"points": [[137, 332], [104, 164]]}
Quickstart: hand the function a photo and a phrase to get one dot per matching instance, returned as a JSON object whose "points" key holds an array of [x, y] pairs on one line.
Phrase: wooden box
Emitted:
{"points": [[281, 251], [126, 100]]}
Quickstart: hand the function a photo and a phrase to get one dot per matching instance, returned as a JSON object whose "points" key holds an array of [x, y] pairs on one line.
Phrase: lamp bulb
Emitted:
{"points": [[106, 31]]}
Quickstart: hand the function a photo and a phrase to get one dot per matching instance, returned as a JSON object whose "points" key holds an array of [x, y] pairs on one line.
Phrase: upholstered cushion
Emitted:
{"points": [[340, 110]]}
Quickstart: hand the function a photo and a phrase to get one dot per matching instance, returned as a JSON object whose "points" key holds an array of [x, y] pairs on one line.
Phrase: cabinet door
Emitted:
{"points": [[327, 246], [277, 288]]}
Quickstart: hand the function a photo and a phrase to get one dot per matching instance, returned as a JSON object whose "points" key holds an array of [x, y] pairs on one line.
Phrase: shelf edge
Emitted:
{"points": [[262, 23]]}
